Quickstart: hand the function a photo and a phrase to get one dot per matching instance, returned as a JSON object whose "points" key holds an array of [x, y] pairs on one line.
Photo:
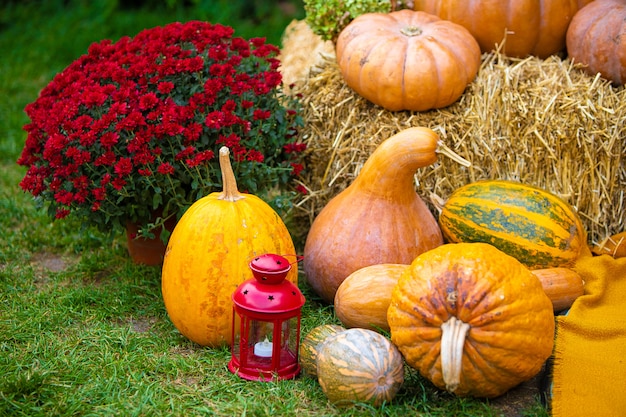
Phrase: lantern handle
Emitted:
{"points": [[299, 258]]}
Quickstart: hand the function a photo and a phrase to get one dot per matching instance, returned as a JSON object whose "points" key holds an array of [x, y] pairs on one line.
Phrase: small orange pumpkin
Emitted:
{"points": [[472, 319], [596, 38], [614, 246], [407, 60]]}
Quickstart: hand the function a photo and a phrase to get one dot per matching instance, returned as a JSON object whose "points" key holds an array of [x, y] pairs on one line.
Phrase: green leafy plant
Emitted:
{"points": [[327, 18], [134, 126]]}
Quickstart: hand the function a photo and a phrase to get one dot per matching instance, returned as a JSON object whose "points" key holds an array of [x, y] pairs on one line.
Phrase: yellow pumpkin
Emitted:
{"points": [[208, 253]]}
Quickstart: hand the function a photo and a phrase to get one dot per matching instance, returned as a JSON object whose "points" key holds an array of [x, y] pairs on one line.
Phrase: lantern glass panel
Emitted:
{"points": [[261, 338], [289, 348], [236, 347]]}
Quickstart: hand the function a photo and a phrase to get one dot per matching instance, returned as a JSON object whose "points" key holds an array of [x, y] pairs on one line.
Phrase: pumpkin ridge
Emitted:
{"points": [[449, 42], [488, 369]]}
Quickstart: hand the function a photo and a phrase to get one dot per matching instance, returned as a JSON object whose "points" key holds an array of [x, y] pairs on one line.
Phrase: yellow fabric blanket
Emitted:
{"points": [[589, 375]]}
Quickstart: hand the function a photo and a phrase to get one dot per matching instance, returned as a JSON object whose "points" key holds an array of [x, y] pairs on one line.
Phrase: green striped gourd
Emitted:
{"points": [[529, 223], [310, 344], [359, 366]]}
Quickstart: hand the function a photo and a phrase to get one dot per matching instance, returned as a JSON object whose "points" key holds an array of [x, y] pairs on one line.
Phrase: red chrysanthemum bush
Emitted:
{"points": [[135, 126]]}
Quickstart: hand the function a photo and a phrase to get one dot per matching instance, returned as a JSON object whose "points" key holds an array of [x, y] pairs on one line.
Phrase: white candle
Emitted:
{"points": [[263, 349]]}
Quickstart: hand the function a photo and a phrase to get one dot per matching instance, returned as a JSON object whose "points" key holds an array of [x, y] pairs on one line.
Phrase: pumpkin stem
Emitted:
{"points": [[230, 191], [444, 150], [452, 342], [411, 31]]}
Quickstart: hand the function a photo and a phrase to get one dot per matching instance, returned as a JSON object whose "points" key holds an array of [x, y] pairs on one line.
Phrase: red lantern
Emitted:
{"points": [[266, 322]]}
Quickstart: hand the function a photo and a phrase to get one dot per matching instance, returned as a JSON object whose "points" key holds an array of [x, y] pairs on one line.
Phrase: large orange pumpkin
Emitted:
{"points": [[208, 253], [531, 27], [407, 60], [472, 319], [597, 38]]}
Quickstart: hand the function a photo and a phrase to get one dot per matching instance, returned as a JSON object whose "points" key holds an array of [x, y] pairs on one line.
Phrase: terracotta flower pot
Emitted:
{"points": [[147, 251]]}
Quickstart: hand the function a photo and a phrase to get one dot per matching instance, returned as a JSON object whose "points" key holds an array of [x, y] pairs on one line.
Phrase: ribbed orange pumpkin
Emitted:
{"points": [[407, 60], [359, 365], [208, 253], [378, 219], [533, 27], [597, 38], [472, 319]]}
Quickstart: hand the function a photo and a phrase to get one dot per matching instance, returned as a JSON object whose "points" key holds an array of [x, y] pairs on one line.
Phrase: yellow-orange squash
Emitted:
{"points": [[208, 253], [378, 219], [562, 285], [529, 223], [472, 319], [363, 297], [531, 27], [407, 60]]}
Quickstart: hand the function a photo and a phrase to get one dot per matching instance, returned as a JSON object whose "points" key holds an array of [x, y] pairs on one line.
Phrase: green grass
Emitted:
{"points": [[83, 330]]}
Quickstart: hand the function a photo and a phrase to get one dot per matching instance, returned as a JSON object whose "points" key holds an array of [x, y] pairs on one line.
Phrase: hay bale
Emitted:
{"points": [[298, 60], [541, 122]]}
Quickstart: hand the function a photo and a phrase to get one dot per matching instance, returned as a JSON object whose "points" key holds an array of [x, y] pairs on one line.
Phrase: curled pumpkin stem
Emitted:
{"points": [[444, 150], [452, 342]]}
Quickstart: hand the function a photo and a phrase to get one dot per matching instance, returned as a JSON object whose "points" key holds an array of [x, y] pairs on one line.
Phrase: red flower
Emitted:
{"points": [[301, 189], [296, 169], [165, 168], [64, 197], [165, 87], [123, 167], [261, 114], [185, 153], [294, 147], [254, 155], [109, 139], [148, 101], [199, 158]]}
